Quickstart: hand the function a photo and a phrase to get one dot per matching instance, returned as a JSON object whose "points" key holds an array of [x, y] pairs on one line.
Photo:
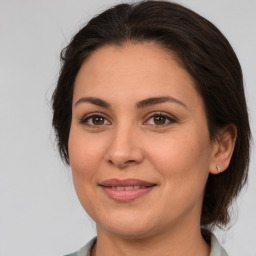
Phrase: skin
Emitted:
{"points": [[175, 154]]}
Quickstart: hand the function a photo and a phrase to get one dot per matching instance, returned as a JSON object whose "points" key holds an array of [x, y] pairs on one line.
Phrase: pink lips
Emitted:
{"points": [[126, 190]]}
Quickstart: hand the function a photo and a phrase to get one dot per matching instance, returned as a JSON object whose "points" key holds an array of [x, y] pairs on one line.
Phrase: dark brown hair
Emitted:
{"points": [[207, 56]]}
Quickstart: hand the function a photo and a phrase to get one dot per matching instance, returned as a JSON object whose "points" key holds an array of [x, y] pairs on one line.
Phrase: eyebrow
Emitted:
{"points": [[93, 100], [158, 100], [141, 104]]}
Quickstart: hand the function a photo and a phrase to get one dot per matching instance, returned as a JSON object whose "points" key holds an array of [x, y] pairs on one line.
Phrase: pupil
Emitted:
{"points": [[159, 120], [98, 120]]}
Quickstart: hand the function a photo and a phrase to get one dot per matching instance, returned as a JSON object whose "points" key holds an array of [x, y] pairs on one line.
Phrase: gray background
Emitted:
{"points": [[39, 212]]}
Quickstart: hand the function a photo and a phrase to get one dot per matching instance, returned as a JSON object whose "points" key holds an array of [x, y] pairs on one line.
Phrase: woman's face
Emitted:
{"points": [[139, 145]]}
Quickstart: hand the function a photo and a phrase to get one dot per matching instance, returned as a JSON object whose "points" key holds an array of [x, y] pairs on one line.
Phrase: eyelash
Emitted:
{"points": [[85, 119], [169, 118]]}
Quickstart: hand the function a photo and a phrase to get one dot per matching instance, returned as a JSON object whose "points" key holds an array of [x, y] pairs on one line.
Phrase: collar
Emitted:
{"points": [[216, 248]]}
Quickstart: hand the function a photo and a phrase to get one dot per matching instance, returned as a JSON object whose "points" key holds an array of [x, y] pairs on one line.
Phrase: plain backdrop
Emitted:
{"points": [[39, 212]]}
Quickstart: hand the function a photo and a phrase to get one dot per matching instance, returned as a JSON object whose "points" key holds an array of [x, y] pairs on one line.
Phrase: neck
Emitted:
{"points": [[186, 241]]}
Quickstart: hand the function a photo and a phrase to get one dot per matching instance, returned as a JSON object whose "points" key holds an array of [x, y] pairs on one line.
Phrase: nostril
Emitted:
{"points": [[130, 161], [121, 164], [124, 159]]}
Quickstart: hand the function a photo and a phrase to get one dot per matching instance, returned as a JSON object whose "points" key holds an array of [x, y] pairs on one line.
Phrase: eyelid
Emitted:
{"points": [[87, 116], [171, 118]]}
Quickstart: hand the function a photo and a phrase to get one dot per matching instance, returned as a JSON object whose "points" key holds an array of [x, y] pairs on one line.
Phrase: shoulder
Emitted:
{"points": [[85, 250], [216, 248]]}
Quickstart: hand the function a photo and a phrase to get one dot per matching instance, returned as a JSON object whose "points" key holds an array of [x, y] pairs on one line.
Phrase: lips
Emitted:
{"points": [[126, 190]]}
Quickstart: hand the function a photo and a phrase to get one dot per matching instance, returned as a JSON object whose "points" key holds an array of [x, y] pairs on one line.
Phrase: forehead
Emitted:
{"points": [[133, 71]]}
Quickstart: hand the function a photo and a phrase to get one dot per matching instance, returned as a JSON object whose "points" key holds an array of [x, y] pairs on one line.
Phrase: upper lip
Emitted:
{"points": [[125, 183]]}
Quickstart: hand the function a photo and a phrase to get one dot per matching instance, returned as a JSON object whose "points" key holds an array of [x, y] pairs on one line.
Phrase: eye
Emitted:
{"points": [[94, 120], [159, 119]]}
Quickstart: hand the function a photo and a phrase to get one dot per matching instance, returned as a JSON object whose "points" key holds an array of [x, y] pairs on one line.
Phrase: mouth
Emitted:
{"points": [[126, 190]]}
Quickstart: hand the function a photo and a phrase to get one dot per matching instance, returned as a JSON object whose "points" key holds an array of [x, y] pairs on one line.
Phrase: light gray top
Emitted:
{"points": [[216, 248]]}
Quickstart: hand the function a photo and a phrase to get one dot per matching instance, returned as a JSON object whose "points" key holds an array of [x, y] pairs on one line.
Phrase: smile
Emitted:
{"points": [[126, 190]]}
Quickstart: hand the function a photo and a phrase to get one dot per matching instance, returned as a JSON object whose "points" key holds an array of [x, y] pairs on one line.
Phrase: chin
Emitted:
{"points": [[128, 226], [128, 232]]}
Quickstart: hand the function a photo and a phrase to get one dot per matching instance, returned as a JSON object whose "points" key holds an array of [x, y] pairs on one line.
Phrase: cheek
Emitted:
{"points": [[182, 159], [84, 152], [177, 150]]}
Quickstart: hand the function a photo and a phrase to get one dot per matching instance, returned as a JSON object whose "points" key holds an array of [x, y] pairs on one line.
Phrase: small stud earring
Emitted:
{"points": [[218, 168]]}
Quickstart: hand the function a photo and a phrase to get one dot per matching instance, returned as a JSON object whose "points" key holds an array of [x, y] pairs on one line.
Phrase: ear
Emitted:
{"points": [[223, 147]]}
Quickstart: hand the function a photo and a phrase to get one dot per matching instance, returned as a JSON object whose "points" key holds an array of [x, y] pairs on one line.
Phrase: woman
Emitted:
{"points": [[150, 113]]}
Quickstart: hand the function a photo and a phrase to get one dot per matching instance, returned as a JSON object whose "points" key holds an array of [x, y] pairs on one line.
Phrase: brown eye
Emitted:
{"points": [[94, 121], [98, 120], [159, 120]]}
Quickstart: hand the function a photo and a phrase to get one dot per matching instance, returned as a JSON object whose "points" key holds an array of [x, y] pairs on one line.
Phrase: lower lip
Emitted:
{"points": [[126, 195]]}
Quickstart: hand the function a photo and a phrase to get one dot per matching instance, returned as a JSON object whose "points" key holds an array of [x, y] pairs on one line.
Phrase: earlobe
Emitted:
{"points": [[223, 149]]}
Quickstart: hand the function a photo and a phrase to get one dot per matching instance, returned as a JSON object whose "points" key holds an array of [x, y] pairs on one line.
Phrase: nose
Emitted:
{"points": [[124, 148]]}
